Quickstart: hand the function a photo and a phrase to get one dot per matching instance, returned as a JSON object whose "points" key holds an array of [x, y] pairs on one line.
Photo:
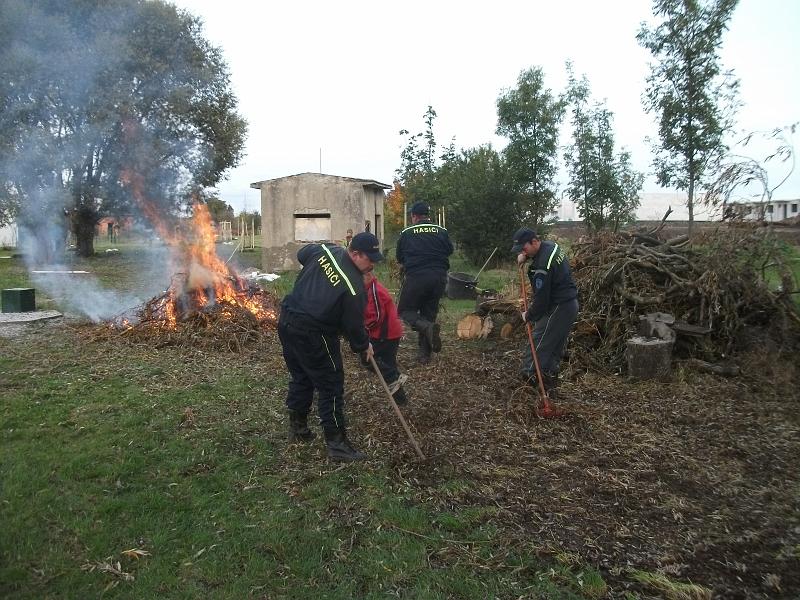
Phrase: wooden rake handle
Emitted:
{"points": [[396, 408]]}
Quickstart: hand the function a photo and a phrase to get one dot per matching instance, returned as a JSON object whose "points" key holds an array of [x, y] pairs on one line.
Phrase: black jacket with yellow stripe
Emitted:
{"points": [[551, 280], [329, 293], [424, 247]]}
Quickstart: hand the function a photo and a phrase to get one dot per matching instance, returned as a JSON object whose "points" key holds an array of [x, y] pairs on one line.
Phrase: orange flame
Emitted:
{"points": [[202, 279]]}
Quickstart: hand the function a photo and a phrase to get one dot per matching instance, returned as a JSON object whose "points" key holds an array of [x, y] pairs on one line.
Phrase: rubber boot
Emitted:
{"points": [[339, 447], [424, 352], [400, 397], [550, 381], [432, 333], [298, 427], [528, 378]]}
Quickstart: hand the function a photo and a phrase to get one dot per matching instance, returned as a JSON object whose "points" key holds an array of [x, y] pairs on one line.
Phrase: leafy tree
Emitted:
{"points": [[250, 218], [219, 210], [417, 172], [601, 183], [686, 88], [529, 116], [394, 207], [482, 204], [100, 96]]}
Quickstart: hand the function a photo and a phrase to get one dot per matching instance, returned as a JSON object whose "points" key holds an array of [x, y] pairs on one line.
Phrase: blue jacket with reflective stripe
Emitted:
{"points": [[329, 292], [551, 280]]}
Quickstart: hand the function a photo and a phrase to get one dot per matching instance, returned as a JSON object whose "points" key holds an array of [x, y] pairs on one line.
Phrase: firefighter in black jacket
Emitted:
{"points": [[554, 307], [328, 299], [423, 252]]}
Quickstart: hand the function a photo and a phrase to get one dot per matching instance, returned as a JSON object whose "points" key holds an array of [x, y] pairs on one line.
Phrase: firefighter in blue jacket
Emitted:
{"points": [[554, 306], [327, 300], [423, 252]]}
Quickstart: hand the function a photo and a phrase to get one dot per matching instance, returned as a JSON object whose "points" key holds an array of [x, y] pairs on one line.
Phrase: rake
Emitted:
{"points": [[547, 410]]}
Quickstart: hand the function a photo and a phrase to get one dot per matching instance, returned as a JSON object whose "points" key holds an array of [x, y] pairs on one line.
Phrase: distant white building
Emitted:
{"points": [[8, 236], [777, 210]]}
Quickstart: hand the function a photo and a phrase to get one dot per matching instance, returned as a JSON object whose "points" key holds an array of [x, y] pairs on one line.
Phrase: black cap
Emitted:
{"points": [[420, 208], [522, 237], [368, 244]]}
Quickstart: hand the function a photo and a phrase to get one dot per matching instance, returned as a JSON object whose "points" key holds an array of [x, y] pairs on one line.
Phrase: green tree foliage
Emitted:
{"points": [[96, 95], [693, 98], [529, 116], [482, 210], [601, 183], [219, 210], [419, 164], [250, 218]]}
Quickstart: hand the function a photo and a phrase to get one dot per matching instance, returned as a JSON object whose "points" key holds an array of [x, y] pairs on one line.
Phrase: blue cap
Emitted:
{"points": [[522, 237], [420, 208], [368, 244]]}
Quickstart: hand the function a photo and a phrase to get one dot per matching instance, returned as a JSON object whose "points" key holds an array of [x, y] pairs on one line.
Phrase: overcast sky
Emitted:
{"points": [[341, 79]]}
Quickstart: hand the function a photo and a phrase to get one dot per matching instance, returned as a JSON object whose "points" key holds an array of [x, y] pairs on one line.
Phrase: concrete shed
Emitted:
{"points": [[314, 207]]}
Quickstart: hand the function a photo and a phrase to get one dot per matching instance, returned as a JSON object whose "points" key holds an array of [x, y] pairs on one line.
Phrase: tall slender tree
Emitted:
{"points": [[693, 98], [601, 182], [529, 115]]}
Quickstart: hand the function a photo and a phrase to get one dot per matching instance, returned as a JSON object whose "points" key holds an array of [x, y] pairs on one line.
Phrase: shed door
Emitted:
{"points": [[312, 228]]}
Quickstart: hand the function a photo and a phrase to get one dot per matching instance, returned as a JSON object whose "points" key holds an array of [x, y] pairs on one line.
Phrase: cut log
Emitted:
{"points": [[469, 327], [649, 358]]}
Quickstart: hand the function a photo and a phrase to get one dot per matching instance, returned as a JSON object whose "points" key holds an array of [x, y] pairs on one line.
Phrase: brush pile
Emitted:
{"points": [[717, 286], [228, 324]]}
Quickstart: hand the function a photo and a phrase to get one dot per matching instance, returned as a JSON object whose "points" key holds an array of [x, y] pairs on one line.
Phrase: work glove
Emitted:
{"points": [[524, 314]]}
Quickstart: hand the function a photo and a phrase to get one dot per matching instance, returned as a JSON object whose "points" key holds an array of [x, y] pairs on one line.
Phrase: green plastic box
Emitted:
{"points": [[19, 300]]}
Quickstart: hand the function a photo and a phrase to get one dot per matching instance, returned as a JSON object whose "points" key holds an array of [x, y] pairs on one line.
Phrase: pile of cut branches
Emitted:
{"points": [[223, 325], [716, 283]]}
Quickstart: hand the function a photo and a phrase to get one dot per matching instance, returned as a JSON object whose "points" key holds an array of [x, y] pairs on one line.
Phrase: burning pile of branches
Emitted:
{"points": [[241, 315], [714, 287], [207, 304]]}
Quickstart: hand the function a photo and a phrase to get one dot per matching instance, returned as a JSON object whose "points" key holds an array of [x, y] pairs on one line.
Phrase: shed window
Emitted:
{"points": [[794, 207], [312, 227]]}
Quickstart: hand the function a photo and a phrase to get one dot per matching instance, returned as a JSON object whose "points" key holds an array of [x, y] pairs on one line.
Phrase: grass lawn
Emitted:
{"points": [[141, 472], [154, 471]]}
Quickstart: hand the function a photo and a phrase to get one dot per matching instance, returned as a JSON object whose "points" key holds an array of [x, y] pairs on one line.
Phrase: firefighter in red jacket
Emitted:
{"points": [[385, 330]]}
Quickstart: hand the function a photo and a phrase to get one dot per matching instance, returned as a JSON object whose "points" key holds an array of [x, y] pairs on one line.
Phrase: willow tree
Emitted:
{"points": [[693, 98]]}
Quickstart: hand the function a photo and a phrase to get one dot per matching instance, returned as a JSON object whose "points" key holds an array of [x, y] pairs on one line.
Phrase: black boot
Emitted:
{"points": [[424, 352], [400, 397], [432, 333], [550, 381], [528, 378], [339, 447], [298, 427]]}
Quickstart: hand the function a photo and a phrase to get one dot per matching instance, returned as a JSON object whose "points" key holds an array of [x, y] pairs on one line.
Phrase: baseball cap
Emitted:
{"points": [[420, 208], [522, 237], [368, 244]]}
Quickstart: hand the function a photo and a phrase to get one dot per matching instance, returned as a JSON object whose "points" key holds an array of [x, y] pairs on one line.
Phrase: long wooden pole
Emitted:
{"points": [[486, 263], [396, 408]]}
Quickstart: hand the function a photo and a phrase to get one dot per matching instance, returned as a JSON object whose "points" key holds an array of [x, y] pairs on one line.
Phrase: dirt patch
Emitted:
{"points": [[697, 479]]}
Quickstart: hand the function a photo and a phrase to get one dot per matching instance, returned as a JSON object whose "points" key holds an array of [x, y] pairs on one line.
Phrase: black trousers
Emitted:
{"points": [[419, 297], [386, 358], [314, 360], [550, 335]]}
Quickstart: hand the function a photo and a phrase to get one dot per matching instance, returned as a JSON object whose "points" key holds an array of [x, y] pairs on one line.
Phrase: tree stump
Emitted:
{"points": [[649, 358]]}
